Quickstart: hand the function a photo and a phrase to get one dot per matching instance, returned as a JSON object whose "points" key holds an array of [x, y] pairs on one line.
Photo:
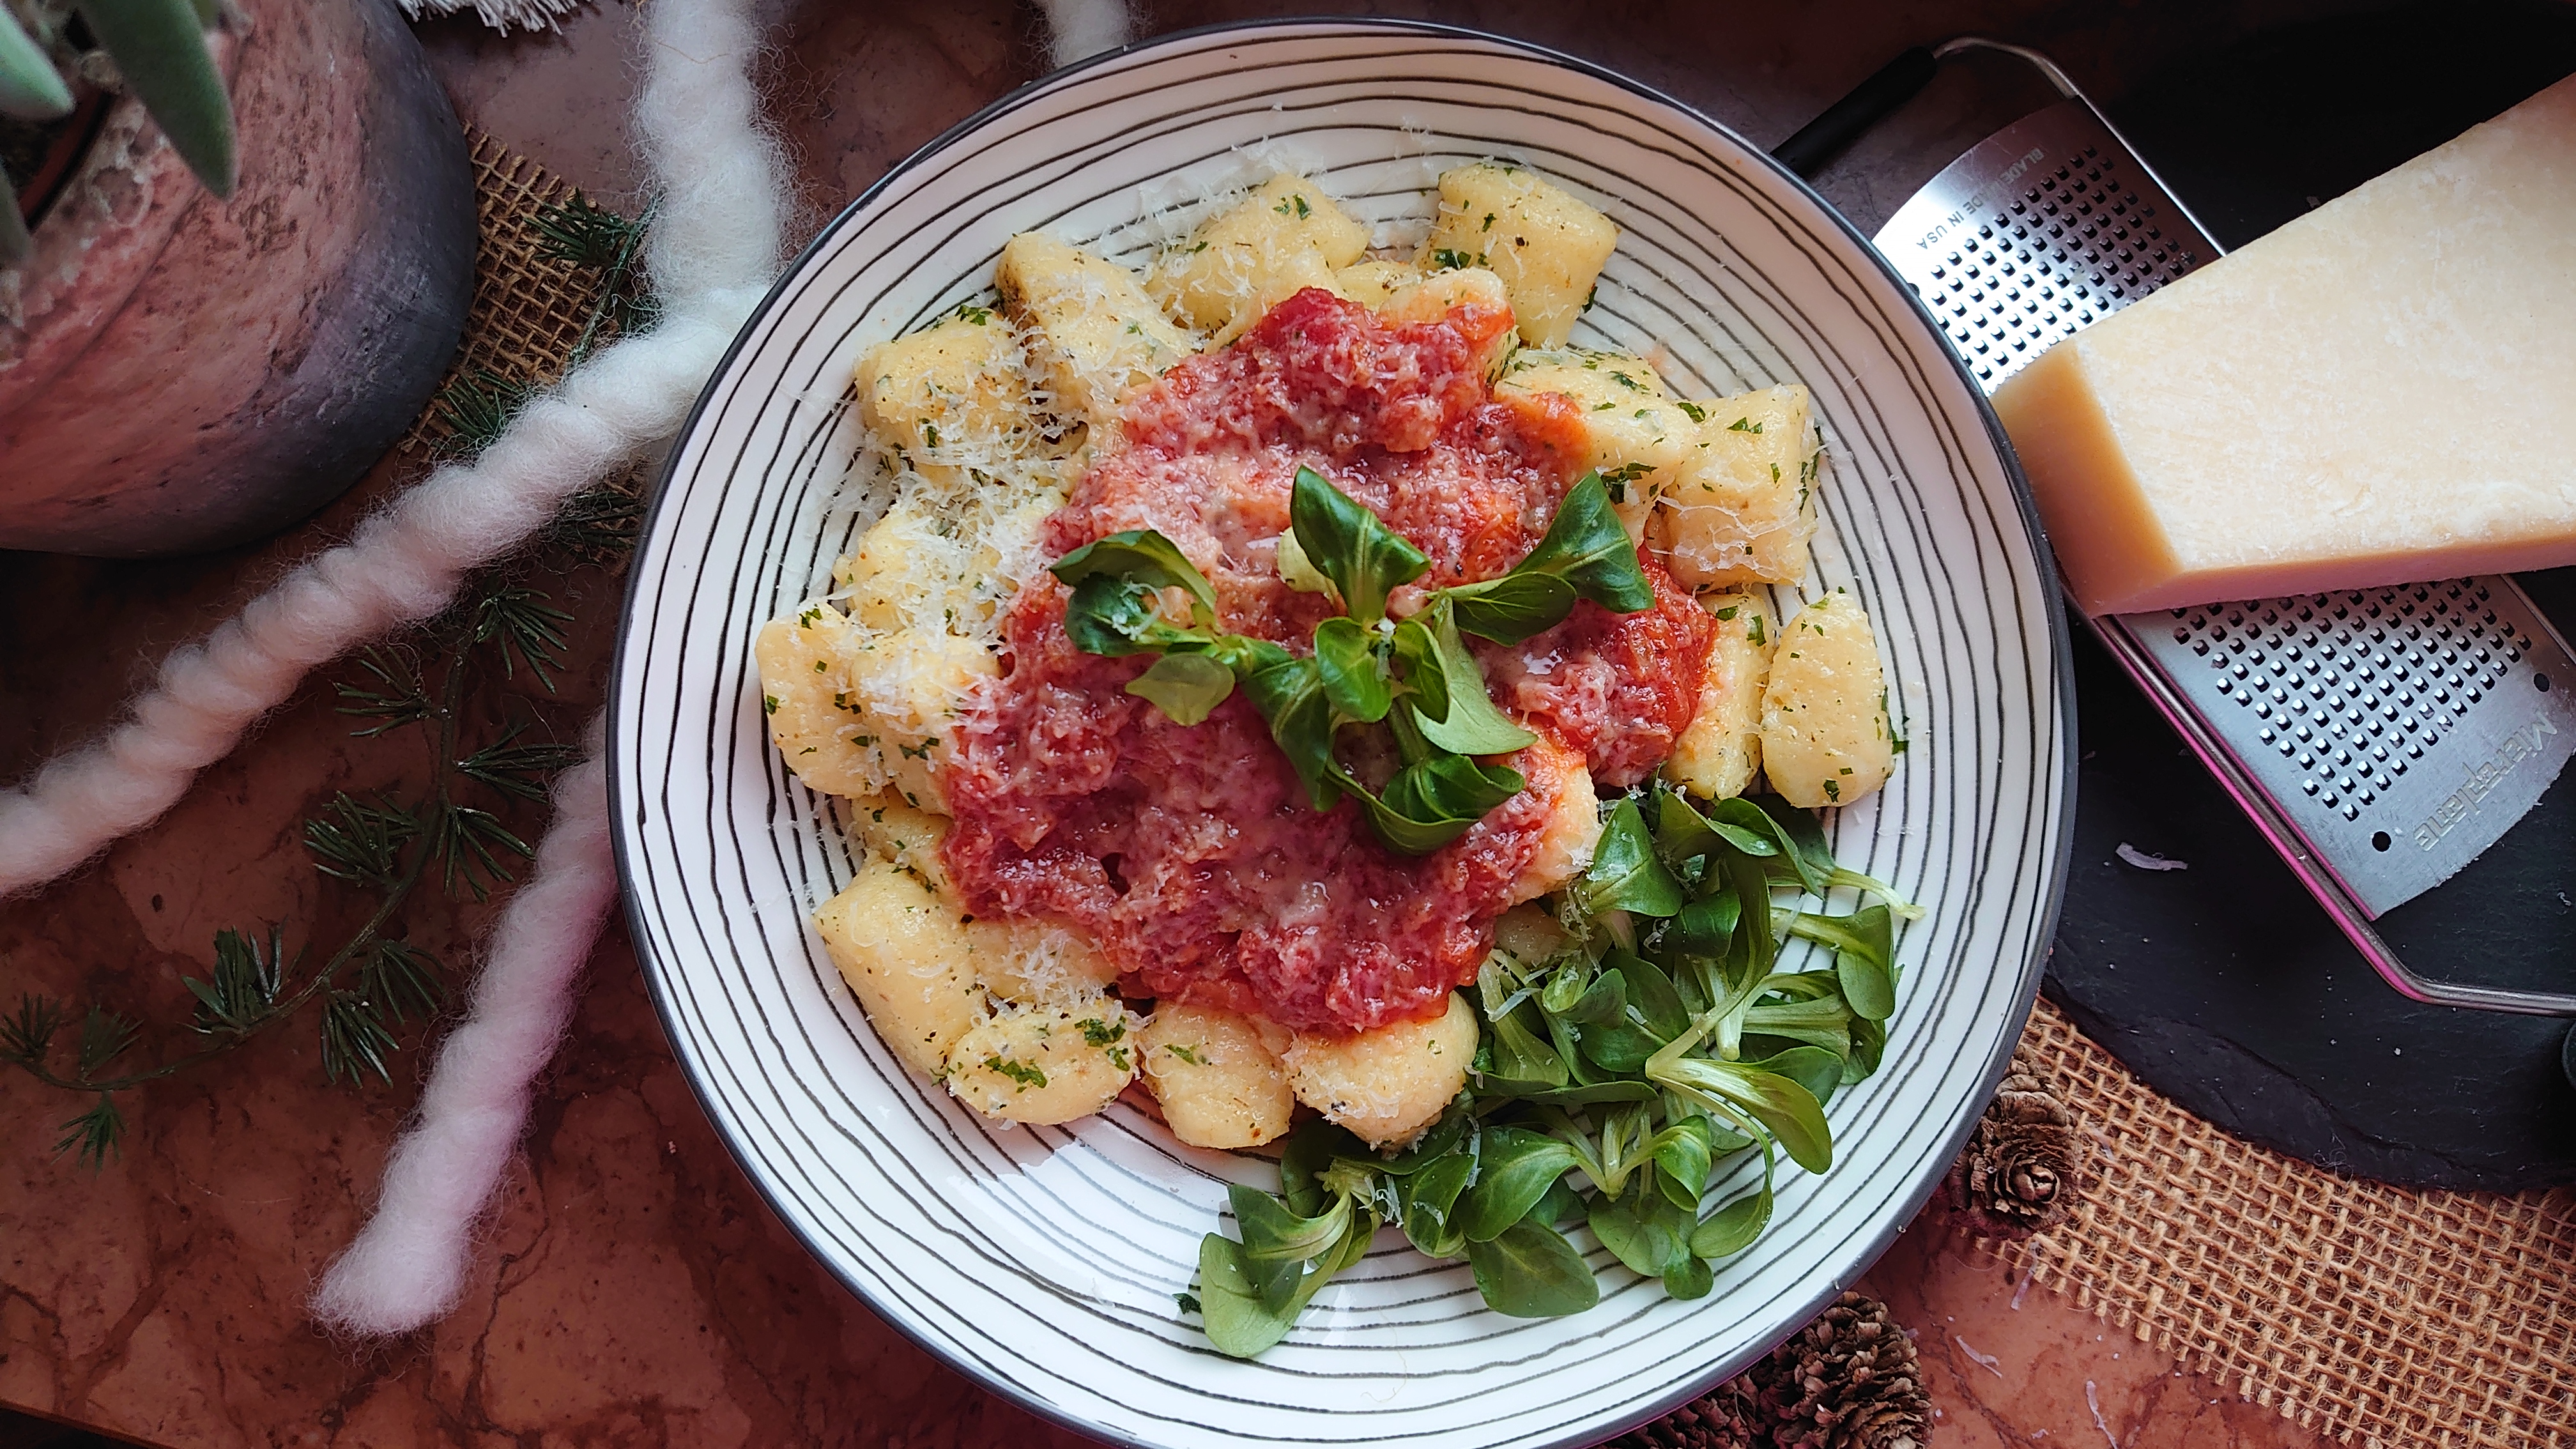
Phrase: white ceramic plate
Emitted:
{"points": [[1043, 1262]]}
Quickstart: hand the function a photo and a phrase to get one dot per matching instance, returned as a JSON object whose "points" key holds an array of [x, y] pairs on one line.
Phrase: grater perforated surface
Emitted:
{"points": [[2042, 229], [2394, 732]]}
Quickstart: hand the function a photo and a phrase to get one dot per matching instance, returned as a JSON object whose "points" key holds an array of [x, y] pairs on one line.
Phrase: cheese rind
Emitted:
{"points": [[2382, 391]]}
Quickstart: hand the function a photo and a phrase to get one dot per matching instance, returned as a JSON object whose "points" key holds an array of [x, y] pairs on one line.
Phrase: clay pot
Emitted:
{"points": [[180, 373]]}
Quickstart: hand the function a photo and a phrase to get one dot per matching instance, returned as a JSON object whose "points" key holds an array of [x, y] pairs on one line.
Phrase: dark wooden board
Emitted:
{"points": [[2224, 986]]}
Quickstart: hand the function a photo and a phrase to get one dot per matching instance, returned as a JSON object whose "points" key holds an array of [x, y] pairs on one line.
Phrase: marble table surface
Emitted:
{"points": [[632, 1288]]}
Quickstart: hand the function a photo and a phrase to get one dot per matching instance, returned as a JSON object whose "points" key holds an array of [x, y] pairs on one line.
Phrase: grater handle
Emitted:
{"points": [[1869, 103]]}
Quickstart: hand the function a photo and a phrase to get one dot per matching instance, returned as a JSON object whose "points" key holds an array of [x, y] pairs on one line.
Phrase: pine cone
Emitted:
{"points": [[2024, 1163], [1847, 1381], [1728, 1418]]}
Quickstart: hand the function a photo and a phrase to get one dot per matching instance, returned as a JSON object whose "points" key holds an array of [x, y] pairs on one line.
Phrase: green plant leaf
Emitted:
{"points": [[1304, 1157], [1436, 1142], [1868, 1047], [1644, 1230], [1736, 1223], [1529, 1270], [15, 244], [1115, 616], [1625, 874], [1272, 1233], [354, 1039], [1429, 1199], [104, 1036], [1289, 693], [1805, 835], [1185, 687], [1691, 1280], [1814, 1068], [1864, 945], [1514, 1167], [1510, 609], [28, 1034], [1521, 1061], [1604, 1002], [1146, 557], [1787, 1109], [1597, 1094], [1588, 548], [1354, 677], [1238, 1319], [1349, 545], [1458, 715], [242, 989], [1819, 1021], [160, 49], [1433, 802], [95, 1135], [1705, 927], [29, 88], [1684, 1152]]}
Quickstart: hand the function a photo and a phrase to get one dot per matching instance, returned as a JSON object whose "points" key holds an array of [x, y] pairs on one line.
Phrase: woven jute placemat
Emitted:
{"points": [[2373, 1314], [529, 308]]}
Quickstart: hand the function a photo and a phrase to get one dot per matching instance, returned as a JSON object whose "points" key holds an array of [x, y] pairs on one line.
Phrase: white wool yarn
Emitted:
{"points": [[712, 250], [1084, 28], [501, 15], [408, 1266]]}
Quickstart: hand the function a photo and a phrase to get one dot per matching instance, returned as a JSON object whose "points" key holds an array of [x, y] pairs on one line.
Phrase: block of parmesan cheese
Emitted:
{"points": [[2382, 391]]}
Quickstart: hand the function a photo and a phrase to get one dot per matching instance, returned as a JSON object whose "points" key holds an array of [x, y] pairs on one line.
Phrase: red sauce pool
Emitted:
{"points": [[1190, 853]]}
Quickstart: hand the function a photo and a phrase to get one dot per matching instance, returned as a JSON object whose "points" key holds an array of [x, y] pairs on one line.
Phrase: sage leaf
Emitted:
{"points": [[1348, 544], [1531, 1271], [1625, 874], [1146, 557], [1185, 687]]}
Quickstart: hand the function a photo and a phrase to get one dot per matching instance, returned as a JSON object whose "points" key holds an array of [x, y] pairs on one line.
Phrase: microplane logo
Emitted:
{"points": [[2519, 746]]}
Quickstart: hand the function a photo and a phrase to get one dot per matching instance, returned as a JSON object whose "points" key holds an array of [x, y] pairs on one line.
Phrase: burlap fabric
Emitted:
{"points": [[2375, 1315], [2381, 1317], [529, 309]]}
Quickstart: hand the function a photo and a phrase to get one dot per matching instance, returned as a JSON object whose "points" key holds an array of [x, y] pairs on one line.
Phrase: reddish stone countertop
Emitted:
{"points": [[633, 1288]]}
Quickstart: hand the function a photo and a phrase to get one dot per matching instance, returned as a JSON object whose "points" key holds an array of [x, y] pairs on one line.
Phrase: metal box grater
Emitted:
{"points": [[2380, 739]]}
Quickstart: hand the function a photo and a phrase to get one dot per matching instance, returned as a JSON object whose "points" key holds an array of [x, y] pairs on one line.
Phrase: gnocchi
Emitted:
{"points": [[1387, 1085], [1826, 738], [1216, 1075], [1547, 246]]}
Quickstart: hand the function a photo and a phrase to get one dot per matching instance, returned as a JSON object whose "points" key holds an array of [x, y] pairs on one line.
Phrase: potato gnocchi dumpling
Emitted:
{"points": [[1371, 283], [1428, 299], [1547, 246], [1743, 508], [1387, 1085], [1826, 739], [1094, 333], [1045, 1065], [905, 954], [1280, 240], [1216, 1075], [1715, 758], [1639, 438], [1573, 826], [954, 391]]}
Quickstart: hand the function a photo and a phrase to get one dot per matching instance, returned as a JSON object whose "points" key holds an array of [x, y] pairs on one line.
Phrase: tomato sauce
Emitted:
{"points": [[1190, 853]]}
